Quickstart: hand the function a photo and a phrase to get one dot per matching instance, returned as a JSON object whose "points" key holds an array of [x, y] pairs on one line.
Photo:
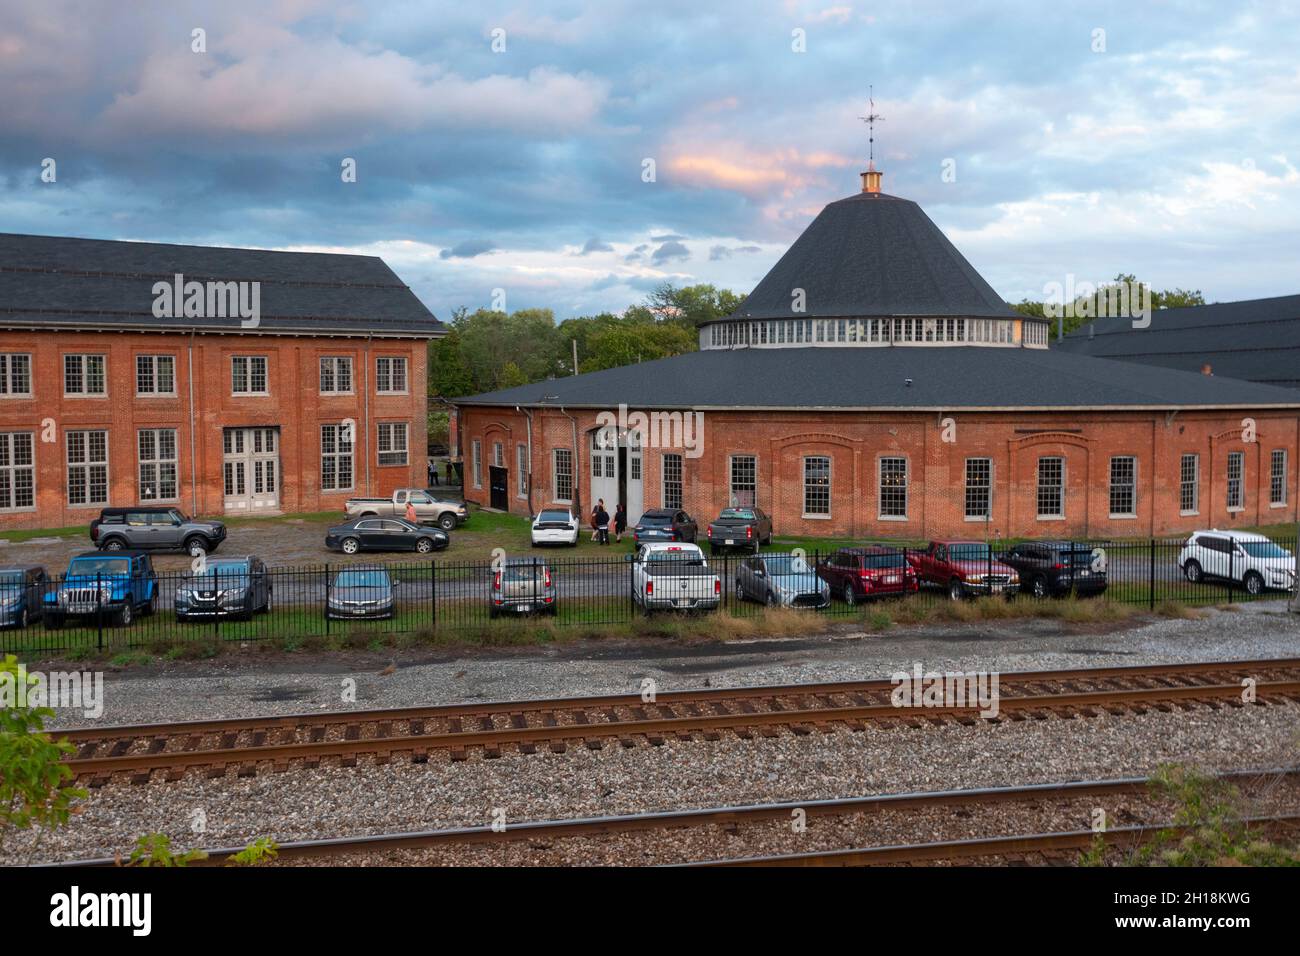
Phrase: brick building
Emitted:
{"points": [[874, 385], [273, 382]]}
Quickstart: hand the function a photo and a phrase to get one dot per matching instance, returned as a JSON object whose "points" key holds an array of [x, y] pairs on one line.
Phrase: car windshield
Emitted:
{"points": [[226, 570], [1265, 549], [362, 579], [787, 564], [883, 561], [11, 578], [99, 566], [554, 516], [970, 552], [745, 514]]}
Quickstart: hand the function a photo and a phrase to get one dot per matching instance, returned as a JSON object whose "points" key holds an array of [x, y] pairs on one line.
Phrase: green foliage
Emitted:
{"points": [[262, 850], [34, 780], [155, 849], [1086, 308]]}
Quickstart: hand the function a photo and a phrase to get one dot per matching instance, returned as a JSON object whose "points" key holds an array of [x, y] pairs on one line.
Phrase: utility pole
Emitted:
{"points": [[575, 355]]}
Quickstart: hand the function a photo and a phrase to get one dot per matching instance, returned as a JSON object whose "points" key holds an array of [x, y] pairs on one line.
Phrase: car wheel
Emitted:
{"points": [[196, 546], [447, 522], [955, 590], [126, 615], [1254, 583], [850, 595], [350, 546], [114, 544], [152, 603], [1038, 586], [1192, 571], [740, 591], [423, 546]]}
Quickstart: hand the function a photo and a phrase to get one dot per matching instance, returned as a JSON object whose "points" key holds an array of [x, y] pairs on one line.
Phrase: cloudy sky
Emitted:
{"points": [[504, 145]]}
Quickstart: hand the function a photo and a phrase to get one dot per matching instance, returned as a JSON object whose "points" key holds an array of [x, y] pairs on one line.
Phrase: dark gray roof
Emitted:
{"points": [[52, 282], [874, 255], [1255, 339], [942, 377]]}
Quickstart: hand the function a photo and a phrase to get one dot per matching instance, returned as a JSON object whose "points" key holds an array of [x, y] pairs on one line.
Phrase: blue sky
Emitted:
{"points": [[1171, 153]]}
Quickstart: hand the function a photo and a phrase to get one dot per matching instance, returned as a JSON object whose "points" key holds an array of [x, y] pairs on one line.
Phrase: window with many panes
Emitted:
{"points": [[15, 374], [248, 375], [893, 487], [155, 375], [672, 481], [87, 467], [476, 462], [817, 486], [603, 454], [392, 443], [498, 455], [1277, 478], [157, 455], [1051, 487], [744, 481], [1123, 486], [17, 471], [336, 375], [562, 465], [521, 469], [979, 488], [390, 374], [83, 375], [1189, 484], [336, 444], [1236, 486]]}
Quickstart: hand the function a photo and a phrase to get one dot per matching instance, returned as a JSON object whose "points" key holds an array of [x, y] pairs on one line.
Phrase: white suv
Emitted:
{"points": [[1254, 560]]}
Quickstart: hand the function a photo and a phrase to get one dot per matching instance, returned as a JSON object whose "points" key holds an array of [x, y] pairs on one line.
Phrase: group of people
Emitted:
{"points": [[600, 522]]}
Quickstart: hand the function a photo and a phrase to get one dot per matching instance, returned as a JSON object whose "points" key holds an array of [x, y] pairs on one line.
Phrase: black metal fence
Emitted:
{"points": [[307, 603]]}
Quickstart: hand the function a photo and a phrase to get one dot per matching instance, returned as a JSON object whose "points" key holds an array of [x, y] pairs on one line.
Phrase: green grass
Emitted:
{"points": [[19, 535]]}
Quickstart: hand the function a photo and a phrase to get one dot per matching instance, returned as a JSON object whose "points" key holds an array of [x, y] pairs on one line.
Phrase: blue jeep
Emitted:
{"points": [[117, 584]]}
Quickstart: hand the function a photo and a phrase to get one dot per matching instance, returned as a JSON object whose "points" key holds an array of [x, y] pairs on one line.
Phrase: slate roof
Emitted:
{"points": [[942, 377], [874, 255], [52, 282], [1255, 339]]}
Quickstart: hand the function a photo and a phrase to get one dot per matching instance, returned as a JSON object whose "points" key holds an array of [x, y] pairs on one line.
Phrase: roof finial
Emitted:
{"points": [[871, 178]]}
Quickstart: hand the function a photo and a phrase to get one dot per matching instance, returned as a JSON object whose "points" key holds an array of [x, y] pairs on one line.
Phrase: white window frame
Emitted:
{"points": [[1194, 483], [829, 486], [339, 432], [334, 363], [85, 361], [250, 364], [10, 470], [880, 485], [385, 367], [1276, 481], [7, 374], [1239, 459], [157, 464], [476, 462], [521, 466], [679, 482], [987, 515], [154, 361], [1059, 514], [1111, 486], [751, 486], [556, 471], [386, 432], [86, 466]]}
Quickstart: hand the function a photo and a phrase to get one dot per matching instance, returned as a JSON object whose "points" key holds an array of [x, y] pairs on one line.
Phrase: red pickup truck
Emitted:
{"points": [[964, 568]]}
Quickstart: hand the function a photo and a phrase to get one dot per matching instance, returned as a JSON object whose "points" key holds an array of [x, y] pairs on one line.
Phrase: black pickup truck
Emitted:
{"points": [[743, 528]]}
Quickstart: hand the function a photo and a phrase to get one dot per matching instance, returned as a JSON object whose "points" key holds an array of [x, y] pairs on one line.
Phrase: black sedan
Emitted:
{"points": [[385, 534]]}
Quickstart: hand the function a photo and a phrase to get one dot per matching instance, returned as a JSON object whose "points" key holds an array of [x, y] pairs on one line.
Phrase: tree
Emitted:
{"points": [[692, 305]]}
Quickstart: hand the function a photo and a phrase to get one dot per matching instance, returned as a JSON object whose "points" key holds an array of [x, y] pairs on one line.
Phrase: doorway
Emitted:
{"points": [[251, 469], [499, 488]]}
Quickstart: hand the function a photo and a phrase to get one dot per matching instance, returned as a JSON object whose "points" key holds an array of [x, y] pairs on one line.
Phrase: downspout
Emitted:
{"points": [[194, 477], [529, 474], [366, 413], [577, 465]]}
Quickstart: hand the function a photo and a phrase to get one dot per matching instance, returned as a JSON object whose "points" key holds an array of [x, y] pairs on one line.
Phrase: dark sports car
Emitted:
{"points": [[385, 534]]}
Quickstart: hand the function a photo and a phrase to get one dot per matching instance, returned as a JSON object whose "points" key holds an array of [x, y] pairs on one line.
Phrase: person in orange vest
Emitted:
{"points": [[411, 516]]}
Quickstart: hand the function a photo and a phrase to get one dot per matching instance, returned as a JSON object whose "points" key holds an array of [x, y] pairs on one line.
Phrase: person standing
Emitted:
{"points": [[595, 510], [602, 522], [411, 516], [620, 521], [433, 472]]}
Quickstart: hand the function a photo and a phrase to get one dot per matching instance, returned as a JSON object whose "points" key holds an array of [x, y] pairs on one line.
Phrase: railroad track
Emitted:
{"points": [[546, 832], [305, 740]]}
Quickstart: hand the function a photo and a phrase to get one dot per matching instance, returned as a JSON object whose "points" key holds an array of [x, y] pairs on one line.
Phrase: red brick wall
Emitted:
{"points": [[936, 495], [294, 404]]}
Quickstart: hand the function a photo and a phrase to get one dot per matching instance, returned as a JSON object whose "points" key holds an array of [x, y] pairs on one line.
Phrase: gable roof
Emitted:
{"points": [[57, 282], [948, 378], [873, 255], [1254, 339]]}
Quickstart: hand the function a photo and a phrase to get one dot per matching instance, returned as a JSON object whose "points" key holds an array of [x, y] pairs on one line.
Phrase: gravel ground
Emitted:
{"points": [[239, 684], [330, 801]]}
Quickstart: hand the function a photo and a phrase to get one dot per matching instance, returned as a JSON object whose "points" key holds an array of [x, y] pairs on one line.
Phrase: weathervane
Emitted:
{"points": [[870, 120]]}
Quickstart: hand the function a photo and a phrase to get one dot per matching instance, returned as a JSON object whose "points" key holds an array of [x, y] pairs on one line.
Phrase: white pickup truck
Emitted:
{"points": [[428, 509], [673, 576]]}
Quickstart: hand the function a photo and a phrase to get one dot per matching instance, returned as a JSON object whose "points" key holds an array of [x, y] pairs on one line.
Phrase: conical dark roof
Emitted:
{"points": [[874, 255]]}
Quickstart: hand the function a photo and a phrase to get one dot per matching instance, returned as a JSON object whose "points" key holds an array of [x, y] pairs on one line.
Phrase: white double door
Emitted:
{"points": [[251, 469], [616, 475]]}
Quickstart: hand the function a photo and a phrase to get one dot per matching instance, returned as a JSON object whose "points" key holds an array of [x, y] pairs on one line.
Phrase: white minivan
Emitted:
{"points": [[1252, 559]]}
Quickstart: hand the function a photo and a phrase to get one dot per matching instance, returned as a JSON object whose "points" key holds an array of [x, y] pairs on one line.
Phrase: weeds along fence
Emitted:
{"points": [[348, 600]]}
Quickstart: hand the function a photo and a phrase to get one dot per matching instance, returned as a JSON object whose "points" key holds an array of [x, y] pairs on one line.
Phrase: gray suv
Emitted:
{"points": [[155, 529]]}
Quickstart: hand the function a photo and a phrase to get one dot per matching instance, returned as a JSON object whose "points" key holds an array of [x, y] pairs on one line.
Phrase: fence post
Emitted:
{"points": [[327, 599], [433, 594], [99, 607], [1232, 554], [1151, 602]]}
